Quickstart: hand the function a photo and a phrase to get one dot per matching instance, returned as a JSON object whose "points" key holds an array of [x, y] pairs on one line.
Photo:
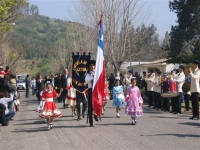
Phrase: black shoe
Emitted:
{"points": [[197, 117], [5, 124], [83, 115], [64, 106], [149, 106], [192, 118], [119, 108], [133, 123], [96, 118], [79, 118], [118, 116], [91, 125]]}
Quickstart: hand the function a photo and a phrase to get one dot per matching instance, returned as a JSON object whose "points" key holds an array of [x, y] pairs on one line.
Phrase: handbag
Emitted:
{"points": [[120, 96], [2, 106]]}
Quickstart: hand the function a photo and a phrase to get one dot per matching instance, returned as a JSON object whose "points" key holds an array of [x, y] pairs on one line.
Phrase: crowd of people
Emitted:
{"points": [[128, 91], [9, 97]]}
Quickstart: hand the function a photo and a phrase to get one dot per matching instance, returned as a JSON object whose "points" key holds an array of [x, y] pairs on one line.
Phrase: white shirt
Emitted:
{"points": [[128, 80], [150, 85], [180, 79], [89, 79], [5, 101], [33, 83], [157, 84], [195, 81]]}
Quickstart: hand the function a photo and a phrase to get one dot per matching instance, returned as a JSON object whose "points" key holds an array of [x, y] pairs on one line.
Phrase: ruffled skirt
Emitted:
{"points": [[133, 109], [50, 111]]}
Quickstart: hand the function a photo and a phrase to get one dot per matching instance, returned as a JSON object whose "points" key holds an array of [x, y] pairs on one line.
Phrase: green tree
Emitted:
{"points": [[185, 35], [9, 12]]}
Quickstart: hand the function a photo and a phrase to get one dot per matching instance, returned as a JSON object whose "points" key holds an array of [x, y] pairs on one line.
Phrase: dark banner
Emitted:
{"points": [[79, 71]]}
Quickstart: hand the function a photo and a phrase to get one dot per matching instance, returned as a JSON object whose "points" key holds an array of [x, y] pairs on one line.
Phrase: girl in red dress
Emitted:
{"points": [[49, 108], [106, 97]]}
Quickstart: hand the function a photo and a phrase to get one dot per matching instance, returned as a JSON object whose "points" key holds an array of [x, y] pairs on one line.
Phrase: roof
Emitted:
{"points": [[151, 62], [157, 61]]}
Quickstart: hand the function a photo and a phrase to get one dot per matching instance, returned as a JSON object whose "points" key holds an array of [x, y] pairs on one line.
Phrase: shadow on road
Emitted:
{"points": [[45, 128], [120, 124], [175, 117], [191, 124], [177, 135]]}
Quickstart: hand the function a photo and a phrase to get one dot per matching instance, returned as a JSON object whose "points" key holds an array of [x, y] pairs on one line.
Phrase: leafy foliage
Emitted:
{"points": [[185, 36], [9, 12]]}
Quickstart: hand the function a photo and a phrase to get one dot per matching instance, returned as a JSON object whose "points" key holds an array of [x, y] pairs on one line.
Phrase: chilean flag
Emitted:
{"points": [[99, 76]]}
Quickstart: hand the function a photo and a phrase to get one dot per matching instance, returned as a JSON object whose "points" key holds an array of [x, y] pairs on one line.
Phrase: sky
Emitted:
{"points": [[162, 18]]}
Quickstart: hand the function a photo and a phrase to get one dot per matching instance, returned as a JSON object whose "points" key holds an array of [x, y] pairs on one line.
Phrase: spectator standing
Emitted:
{"points": [[33, 85], [27, 82]]}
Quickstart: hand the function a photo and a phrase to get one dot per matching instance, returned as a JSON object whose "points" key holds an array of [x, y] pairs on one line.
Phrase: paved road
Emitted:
{"points": [[154, 131]]}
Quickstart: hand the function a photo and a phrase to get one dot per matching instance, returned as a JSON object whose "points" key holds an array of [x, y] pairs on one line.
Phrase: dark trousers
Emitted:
{"points": [[150, 98], [111, 94], [33, 90], [166, 104], [80, 97], [157, 100], [180, 99], [90, 110], [27, 91], [195, 104], [187, 97], [59, 98], [177, 103], [173, 104], [63, 95], [38, 96], [2, 116]]}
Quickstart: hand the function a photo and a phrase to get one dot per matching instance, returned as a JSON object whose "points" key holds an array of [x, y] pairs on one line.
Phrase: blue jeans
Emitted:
{"points": [[9, 115], [181, 95]]}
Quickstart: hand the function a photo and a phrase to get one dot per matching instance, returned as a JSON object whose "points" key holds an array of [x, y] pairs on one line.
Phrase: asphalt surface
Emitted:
{"points": [[156, 130]]}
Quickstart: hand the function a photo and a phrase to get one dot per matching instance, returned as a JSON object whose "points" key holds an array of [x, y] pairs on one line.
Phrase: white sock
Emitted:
{"points": [[117, 114]]}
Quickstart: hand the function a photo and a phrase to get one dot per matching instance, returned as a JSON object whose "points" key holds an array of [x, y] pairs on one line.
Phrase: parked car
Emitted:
{"points": [[21, 85]]}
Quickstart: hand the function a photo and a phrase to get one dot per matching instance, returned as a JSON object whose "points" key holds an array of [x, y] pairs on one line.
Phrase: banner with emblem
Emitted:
{"points": [[79, 71]]}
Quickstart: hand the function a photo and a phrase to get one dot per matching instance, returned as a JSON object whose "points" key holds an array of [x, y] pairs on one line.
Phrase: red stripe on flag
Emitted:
{"points": [[98, 93]]}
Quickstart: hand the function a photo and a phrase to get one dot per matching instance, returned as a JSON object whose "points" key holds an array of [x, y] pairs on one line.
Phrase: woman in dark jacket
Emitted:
{"points": [[39, 86], [5, 85], [6, 88], [111, 84]]}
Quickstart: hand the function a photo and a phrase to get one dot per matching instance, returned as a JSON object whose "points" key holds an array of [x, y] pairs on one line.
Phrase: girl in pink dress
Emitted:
{"points": [[134, 101], [49, 111]]}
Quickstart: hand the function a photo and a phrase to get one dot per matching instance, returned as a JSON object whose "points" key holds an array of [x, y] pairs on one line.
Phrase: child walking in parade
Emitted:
{"points": [[49, 108], [134, 101], [118, 96], [106, 96]]}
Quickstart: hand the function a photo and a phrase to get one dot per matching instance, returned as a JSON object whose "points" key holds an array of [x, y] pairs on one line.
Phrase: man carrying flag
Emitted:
{"points": [[96, 80], [89, 78]]}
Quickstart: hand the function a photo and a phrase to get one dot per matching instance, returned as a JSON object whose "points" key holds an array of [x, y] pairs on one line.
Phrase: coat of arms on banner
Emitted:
{"points": [[79, 71]]}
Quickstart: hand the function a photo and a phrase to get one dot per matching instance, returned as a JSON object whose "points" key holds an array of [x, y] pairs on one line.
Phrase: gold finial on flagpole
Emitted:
{"points": [[81, 50]]}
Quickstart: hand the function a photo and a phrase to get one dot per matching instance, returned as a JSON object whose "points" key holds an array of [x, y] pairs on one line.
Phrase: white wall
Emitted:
{"points": [[171, 67], [163, 67]]}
